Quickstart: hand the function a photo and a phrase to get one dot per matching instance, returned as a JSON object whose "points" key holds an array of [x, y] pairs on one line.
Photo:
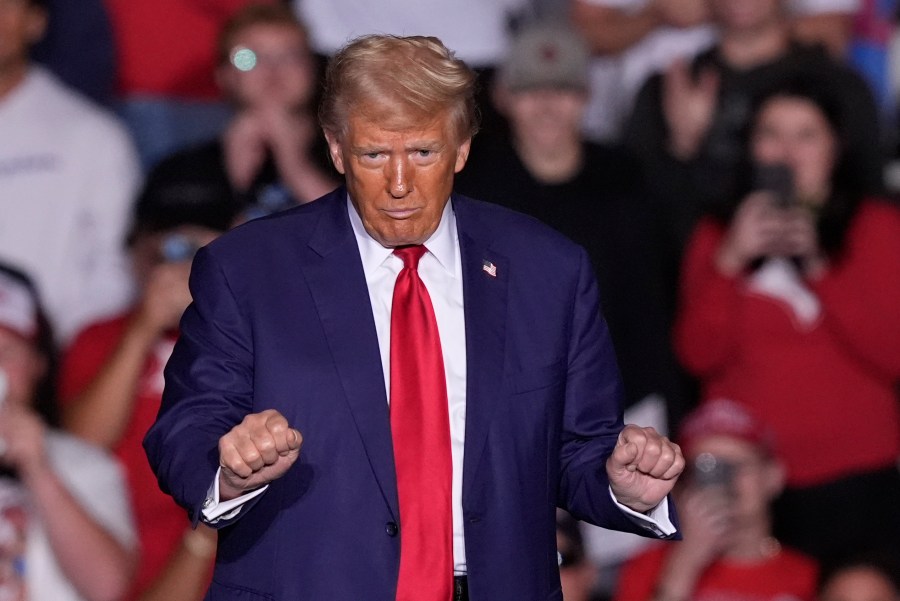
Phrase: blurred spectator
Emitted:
{"points": [[862, 576], [477, 31], [272, 154], [65, 523], [789, 305], [166, 60], [589, 192], [689, 125], [724, 506], [112, 381], [870, 53], [68, 174], [632, 39], [78, 47], [577, 574]]}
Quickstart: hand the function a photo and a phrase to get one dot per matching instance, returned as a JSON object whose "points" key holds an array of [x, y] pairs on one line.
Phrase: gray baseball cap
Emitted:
{"points": [[546, 55]]}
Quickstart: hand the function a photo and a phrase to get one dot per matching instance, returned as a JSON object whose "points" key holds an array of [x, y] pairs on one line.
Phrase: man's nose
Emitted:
{"points": [[399, 177]]}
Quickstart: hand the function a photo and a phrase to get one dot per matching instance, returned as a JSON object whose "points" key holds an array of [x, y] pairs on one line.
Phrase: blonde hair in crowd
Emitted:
{"points": [[380, 75]]}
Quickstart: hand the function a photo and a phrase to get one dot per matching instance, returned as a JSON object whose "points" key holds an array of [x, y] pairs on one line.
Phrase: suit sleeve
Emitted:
{"points": [[208, 388], [592, 418]]}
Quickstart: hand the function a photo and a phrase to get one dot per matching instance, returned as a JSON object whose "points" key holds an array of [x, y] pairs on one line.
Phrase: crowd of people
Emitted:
{"points": [[722, 162]]}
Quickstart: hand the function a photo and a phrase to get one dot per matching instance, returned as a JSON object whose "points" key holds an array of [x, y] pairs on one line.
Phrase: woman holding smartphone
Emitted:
{"points": [[790, 305]]}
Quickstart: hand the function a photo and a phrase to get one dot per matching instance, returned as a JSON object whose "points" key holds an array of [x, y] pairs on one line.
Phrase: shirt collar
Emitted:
{"points": [[443, 244]]}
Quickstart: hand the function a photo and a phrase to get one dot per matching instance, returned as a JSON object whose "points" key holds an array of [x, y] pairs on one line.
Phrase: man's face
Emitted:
{"points": [[743, 15], [21, 26], [545, 116], [270, 66], [756, 479], [399, 177]]}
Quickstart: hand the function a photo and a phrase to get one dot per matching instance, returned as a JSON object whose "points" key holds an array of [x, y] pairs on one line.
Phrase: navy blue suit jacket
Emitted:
{"points": [[282, 319]]}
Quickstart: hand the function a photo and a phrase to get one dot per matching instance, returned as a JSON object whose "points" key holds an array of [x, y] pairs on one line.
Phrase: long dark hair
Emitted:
{"points": [[45, 400], [847, 176]]}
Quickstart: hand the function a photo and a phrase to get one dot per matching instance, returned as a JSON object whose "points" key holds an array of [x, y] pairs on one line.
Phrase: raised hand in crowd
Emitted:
{"points": [[272, 131], [689, 104]]}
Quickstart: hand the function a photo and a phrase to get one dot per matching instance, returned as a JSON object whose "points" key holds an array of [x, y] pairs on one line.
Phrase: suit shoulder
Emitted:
{"points": [[517, 235], [265, 235]]}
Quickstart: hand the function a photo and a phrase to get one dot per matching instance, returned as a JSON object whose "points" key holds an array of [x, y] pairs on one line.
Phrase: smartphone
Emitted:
{"points": [[709, 470], [777, 179]]}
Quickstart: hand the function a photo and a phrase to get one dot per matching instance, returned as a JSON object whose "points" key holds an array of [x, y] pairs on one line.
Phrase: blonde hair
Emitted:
{"points": [[398, 77]]}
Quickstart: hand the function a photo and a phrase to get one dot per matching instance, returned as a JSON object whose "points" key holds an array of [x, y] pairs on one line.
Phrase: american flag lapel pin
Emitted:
{"points": [[489, 268]]}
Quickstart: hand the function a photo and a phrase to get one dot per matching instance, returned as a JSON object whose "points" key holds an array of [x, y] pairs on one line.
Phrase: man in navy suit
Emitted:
{"points": [[287, 344]]}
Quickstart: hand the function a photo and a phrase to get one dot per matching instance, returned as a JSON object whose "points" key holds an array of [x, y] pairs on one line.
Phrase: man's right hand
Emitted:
{"points": [[255, 452]]}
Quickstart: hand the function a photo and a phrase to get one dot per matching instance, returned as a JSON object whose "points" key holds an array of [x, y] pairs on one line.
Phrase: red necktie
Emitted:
{"points": [[420, 427]]}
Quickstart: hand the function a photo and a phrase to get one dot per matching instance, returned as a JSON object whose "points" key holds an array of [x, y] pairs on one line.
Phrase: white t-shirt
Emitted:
{"points": [[68, 177], [95, 480], [475, 29], [616, 80]]}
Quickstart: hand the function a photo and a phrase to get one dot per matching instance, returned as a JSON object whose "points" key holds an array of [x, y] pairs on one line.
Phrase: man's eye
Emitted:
{"points": [[424, 152], [372, 155]]}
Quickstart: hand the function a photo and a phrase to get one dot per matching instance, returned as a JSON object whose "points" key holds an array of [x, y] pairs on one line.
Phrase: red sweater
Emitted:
{"points": [[168, 47], [828, 389]]}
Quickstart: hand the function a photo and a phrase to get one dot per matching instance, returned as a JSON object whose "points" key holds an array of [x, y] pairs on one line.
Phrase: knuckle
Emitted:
{"points": [[252, 456]]}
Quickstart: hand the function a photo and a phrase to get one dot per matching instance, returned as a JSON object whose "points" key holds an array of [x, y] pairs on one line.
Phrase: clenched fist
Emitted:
{"points": [[255, 452]]}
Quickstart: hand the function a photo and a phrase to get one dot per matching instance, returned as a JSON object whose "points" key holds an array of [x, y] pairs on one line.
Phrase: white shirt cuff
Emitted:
{"points": [[656, 521], [215, 510]]}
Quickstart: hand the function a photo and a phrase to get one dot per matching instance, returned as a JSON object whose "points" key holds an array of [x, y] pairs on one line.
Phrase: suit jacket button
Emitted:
{"points": [[391, 528]]}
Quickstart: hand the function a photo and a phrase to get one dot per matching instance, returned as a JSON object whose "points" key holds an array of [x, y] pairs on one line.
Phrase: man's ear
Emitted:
{"points": [[462, 154], [335, 150]]}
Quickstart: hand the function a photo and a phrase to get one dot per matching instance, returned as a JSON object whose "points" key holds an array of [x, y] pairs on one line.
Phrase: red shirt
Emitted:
{"points": [[168, 47], [787, 576], [161, 523], [827, 389]]}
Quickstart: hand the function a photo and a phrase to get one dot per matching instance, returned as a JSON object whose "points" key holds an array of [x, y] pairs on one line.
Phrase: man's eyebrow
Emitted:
{"points": [[367, 148], [426, 144]]}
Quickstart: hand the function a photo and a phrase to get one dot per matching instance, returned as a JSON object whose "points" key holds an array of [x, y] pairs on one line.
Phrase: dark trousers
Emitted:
{"points": [[460, 588]]}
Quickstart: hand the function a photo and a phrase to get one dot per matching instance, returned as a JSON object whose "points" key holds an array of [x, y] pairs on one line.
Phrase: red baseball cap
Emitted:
{"points": [[725, 417]]}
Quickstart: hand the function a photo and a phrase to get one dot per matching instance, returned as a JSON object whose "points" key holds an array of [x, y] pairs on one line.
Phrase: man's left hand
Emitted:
{"points": [[643, 467]]}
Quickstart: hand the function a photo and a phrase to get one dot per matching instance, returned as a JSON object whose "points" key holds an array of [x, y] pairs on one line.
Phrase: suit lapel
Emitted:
{"points": [[485, 282], [338, 286]]}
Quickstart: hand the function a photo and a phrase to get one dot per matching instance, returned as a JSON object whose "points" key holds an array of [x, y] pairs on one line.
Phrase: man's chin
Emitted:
{"points": [[394, 237]]}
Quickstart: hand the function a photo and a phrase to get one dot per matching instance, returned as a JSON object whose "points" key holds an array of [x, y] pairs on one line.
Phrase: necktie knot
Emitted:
{"points": [[410, 255]]}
